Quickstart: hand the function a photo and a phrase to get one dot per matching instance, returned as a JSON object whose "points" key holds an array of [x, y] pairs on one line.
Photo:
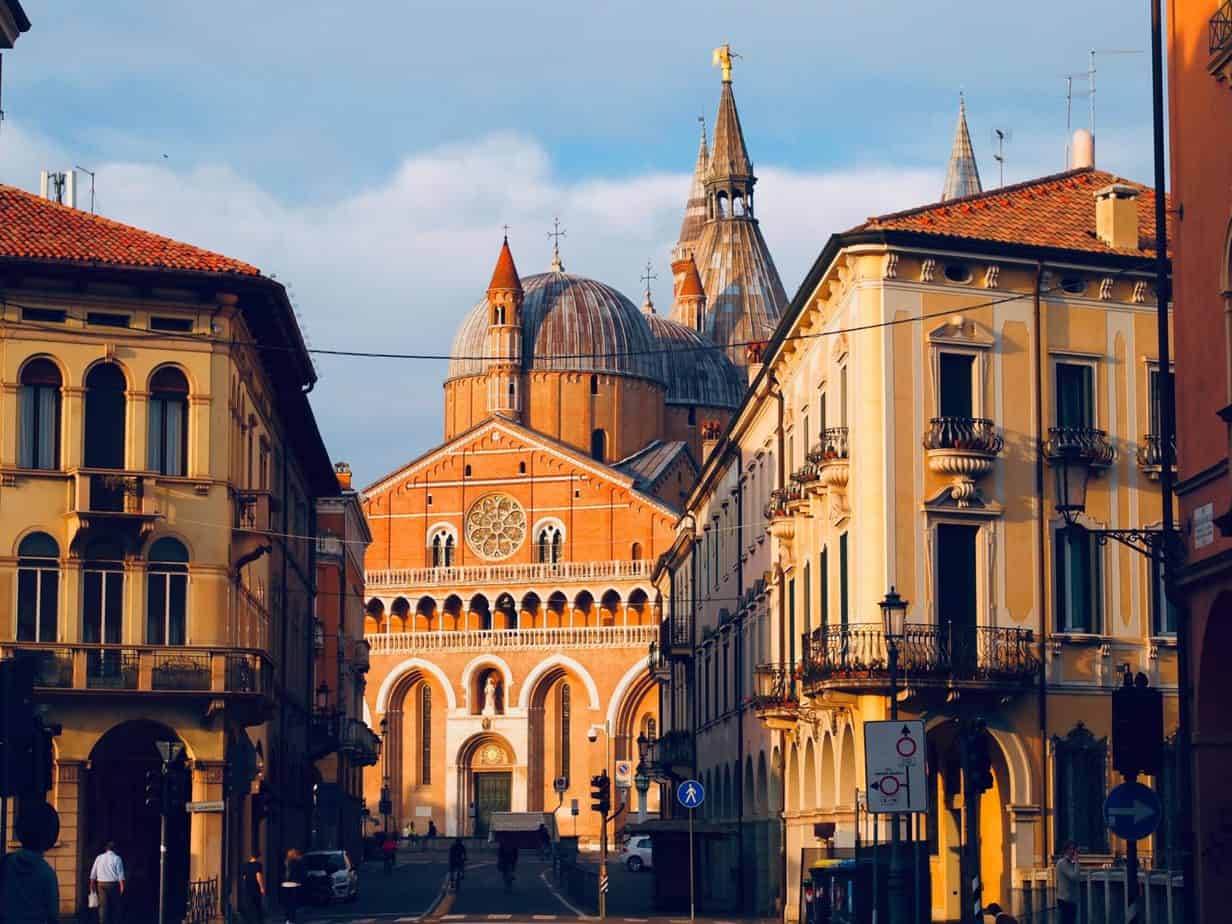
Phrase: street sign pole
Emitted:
{"points": [[691, 794], [691, 886]]}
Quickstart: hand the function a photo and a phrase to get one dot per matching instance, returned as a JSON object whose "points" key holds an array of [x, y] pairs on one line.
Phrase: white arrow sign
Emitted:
{"points": [[1138, 811]]}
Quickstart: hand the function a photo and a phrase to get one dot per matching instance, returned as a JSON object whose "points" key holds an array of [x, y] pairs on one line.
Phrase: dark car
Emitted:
{"points": [[330, 875]]}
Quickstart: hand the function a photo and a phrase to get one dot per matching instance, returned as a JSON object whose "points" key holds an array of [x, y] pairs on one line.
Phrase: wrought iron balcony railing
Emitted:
{"points": [[1221, 29], [145, 669], [831, 447], [1079, 444], [856, 656], [963, 434], [1151, 455], [361, 742], [672, 752]]}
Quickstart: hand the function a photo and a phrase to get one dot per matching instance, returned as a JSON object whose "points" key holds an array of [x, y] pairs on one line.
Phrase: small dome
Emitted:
{"points": [[697, 372], [569, 324]]}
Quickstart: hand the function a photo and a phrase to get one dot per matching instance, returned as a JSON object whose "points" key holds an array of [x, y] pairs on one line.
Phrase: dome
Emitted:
{"points": [[697, 372], [569, 324]]}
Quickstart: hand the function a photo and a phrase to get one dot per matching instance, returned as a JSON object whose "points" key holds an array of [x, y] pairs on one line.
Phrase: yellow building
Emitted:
{"points": [[899, 434], [159, 468]]}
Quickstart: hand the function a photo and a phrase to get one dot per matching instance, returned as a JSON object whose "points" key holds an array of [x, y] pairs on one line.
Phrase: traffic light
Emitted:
{"points": [[600, 793], [18, 725], [179, 785], [979, 757], [154, 790], [1137, 727]]}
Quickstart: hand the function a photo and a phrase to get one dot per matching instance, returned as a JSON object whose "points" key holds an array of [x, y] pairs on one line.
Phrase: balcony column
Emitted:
{"points": [[69, 618], [72, 426], [205, 828], [132, 627], [8, 437]]}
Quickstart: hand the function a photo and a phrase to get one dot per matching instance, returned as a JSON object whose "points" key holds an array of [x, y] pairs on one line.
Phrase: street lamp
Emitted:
{"points": [[894, 627], [641, 779], [386, 805]]}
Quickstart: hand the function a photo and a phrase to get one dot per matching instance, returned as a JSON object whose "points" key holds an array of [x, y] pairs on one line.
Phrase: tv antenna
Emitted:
{"points": [[999, 137], [90, 174]]}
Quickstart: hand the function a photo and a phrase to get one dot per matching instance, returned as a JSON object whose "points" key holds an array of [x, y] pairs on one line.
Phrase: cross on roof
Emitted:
{"points": [[506, 229], [648, 276], [556, 234]]}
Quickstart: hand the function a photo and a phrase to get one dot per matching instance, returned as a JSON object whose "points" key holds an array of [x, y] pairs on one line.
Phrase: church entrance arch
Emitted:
{"points": [[115, 810], [485, 778]]}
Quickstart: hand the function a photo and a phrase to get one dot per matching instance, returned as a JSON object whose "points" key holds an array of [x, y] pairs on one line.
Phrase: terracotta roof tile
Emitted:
{"points": [[33, 228], [1052, 211], [505, 275]]}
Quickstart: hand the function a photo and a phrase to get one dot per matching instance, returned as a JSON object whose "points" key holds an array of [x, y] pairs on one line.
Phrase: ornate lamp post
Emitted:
{"points": [[386, 805], [894, 627], [641, 779]]}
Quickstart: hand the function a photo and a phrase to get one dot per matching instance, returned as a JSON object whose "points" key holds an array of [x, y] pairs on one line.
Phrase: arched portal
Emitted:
{"points": [[415, 711], [556, 725], [485, 781], [115, 810]]}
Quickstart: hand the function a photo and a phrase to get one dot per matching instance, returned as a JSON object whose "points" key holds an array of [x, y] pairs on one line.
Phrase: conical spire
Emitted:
{"points": [[730, 157], [695, 207], [962, 176], [505, 275]]}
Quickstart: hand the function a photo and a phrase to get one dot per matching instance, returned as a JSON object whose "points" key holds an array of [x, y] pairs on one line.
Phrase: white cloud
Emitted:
{"points": [[395, 266]]}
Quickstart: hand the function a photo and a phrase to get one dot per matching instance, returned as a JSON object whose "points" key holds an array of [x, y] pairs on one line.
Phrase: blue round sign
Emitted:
{"points": [[691, 794], [1132, 811]]}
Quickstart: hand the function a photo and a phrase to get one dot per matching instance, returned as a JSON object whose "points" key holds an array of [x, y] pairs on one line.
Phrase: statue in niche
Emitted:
{"points": [[489, 696]]}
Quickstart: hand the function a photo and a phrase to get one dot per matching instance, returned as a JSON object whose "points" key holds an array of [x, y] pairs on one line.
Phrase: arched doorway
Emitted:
{"points": [[115, 810], [485, 769], [557, 732], [946, 818]]}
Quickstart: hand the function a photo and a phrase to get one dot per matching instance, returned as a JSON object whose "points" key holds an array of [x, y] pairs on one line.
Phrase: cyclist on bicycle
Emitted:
{"points": [[457, 863]]}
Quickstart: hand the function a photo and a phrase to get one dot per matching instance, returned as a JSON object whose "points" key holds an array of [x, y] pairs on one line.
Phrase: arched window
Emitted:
{"points": [[168, 421], [521, 468], [549, 544], [649, 727], [105, 417], [598, 445], [38, 588], [39, 416], [425, 735], [442, 545], [594, 384], [166, 600], [564, 708], [636, 551]]}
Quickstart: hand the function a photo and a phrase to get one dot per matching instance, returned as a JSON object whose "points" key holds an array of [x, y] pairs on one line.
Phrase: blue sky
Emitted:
{"points": [[368, 153]]}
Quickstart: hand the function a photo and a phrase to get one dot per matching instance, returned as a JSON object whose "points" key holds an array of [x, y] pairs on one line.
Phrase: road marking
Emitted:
{"points": [[405, 920], [452, 917], [499, 917], [560, 898], [544, 917]]}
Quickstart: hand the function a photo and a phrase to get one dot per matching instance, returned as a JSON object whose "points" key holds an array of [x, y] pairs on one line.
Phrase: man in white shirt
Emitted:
{"points": [[107, 881]]}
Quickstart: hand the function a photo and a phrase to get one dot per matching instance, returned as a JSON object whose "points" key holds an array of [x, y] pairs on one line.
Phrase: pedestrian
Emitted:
{"points": [[1069, 879], [507, 862], [29, 890], [389, 849], [431, 830], [411, 836], [457, 863], [292, 885], [545, 842], [252, 891], [998, 916], [107, 882]]}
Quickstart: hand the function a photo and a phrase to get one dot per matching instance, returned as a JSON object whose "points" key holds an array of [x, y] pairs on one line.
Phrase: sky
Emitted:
{"points": [[368, 154]]}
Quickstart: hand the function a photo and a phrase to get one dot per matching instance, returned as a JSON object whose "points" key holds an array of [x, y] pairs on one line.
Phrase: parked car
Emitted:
{"points": [[636, 854], [330, 875]]}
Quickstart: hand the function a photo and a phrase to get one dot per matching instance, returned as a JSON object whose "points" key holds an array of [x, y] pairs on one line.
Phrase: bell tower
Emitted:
{"points": [[689, 306], [503, 359]]}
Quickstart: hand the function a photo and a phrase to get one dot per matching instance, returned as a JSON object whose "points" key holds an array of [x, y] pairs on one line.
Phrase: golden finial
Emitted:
{"points": [[722, 57]]}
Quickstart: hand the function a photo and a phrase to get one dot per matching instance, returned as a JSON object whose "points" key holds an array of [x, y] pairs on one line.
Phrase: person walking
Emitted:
{"points": [[107, 882], [507, 862], [457, 863], [252, 891], [29, 890], [431, 830], [389, 850], [1069, 881], [292, 885]]}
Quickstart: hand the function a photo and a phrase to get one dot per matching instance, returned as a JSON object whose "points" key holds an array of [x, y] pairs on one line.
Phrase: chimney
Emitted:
{"points": [[1116, 216], [1082, 150], [343, 472], [753, 359], [711, 431]]}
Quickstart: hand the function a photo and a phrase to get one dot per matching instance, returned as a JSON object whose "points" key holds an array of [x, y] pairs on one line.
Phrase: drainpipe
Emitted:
{"points": [[781, 482], [1041, 518], [743, 615]]}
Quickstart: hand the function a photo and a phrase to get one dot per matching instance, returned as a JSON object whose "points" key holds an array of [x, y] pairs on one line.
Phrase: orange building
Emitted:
{"points": [[1200, 106]]}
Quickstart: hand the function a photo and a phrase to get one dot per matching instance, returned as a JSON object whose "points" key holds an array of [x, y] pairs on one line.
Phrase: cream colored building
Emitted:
{"points": [[899, 435], [159, 467]]}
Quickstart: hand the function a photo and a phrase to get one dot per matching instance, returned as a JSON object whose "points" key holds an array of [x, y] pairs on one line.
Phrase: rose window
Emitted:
{"points": [[495, 526]]}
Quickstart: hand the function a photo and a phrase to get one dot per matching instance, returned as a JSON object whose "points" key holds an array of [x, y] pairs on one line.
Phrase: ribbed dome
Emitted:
{"points": [[697, 372], [569, 324]]}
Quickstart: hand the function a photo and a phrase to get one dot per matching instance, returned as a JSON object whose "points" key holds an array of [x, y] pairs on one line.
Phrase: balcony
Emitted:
{"points": [[855, 658], [1151, 455], [361, 661], [774, 698], [360, 742], [808, 477], [831, 456], [324, 733], [780, 512], [657, 664], [963, 448], [1220, 43], [676, 637], [116, 502], [1079, 444], [671, 756], [142, 670], [526, 573], [549, 639]]}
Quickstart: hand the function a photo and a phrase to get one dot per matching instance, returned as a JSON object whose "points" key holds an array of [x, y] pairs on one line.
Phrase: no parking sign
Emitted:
{"points": [[894, 765]]}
